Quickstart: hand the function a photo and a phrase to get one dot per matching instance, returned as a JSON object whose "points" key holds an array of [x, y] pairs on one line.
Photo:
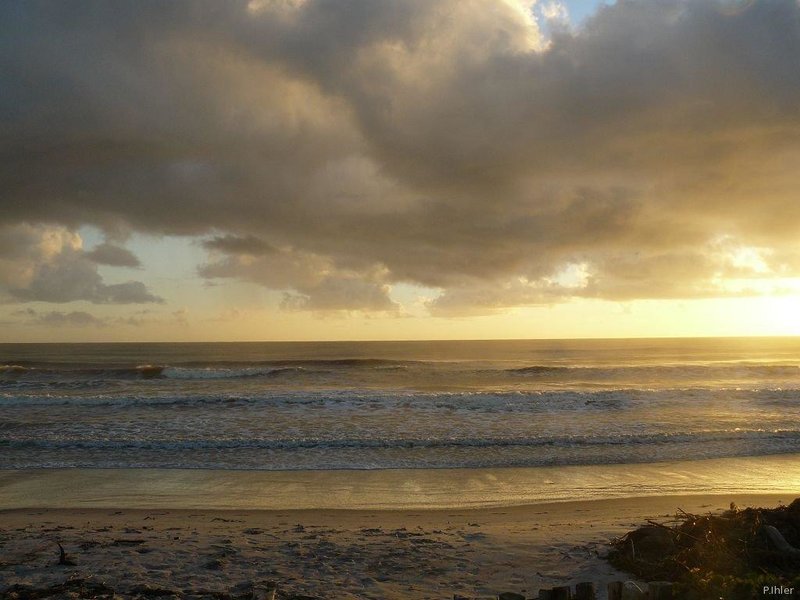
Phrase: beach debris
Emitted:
{"points": [[661, 590], [732, 555], [62, 557], [127, 542], [651, 542], [632, 591], [585, 591], [614, 589], [562, 592], [780, 542]]}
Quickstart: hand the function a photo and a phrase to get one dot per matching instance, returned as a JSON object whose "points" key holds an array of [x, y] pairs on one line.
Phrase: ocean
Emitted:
{"points": [[396, 405]]}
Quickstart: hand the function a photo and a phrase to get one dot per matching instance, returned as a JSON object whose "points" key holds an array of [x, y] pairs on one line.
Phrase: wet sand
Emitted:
{"points": [[392, 489], [342, 554]]}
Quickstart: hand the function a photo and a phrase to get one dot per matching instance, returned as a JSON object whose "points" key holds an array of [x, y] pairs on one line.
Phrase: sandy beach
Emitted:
{"points": [[349, 554]]}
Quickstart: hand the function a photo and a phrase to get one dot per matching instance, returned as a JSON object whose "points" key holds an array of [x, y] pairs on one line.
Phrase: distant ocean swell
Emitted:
{"points": [[310, 368], [17, 372]]}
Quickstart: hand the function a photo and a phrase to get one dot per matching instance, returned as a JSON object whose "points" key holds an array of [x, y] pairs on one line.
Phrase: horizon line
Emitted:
{"points": [[416, 340]]}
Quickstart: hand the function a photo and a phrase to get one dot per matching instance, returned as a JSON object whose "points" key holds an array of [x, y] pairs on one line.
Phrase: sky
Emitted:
{"points": [[398, 169]]}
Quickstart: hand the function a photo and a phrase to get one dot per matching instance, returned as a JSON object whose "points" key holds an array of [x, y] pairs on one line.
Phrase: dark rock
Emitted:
{"points": [[651, 543], [510, 596]]}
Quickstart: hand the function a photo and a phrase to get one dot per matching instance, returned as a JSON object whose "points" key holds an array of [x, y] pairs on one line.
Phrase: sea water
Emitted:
{"points": [[396, 405]]}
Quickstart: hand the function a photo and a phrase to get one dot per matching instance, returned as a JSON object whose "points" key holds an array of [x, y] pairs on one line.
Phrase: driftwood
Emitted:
{"points": [[562, 593], [62, 557], [631, 591], [615, 590], [780, 542], [660, 590], [585, 591]]}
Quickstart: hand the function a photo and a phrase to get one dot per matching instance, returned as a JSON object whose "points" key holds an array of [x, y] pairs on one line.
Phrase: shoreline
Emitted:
{"points": [[354, 535], [716, 501], [417, 489]]}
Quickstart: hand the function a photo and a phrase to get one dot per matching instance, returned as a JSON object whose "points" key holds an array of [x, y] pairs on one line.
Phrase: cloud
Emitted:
{"points": [[114, 256], [333, 149], [341, 293], [79, 318], [555, 11], [69, 277], [311, 282], [65, 319], [181, 316], [232, 244], [47, 264]]}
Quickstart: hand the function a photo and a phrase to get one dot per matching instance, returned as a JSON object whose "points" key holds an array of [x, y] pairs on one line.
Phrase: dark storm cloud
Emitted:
{"points": [[336, 147], [232, 244], [113, 256]]}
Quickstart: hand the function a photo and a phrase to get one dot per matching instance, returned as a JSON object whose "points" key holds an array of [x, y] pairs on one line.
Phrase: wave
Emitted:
{"points": [[39, 376], [699, 371], [195, 370], [574, 441], [71, 371], [508, 401], [217, 373], [385, 371], [540, 370]]}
